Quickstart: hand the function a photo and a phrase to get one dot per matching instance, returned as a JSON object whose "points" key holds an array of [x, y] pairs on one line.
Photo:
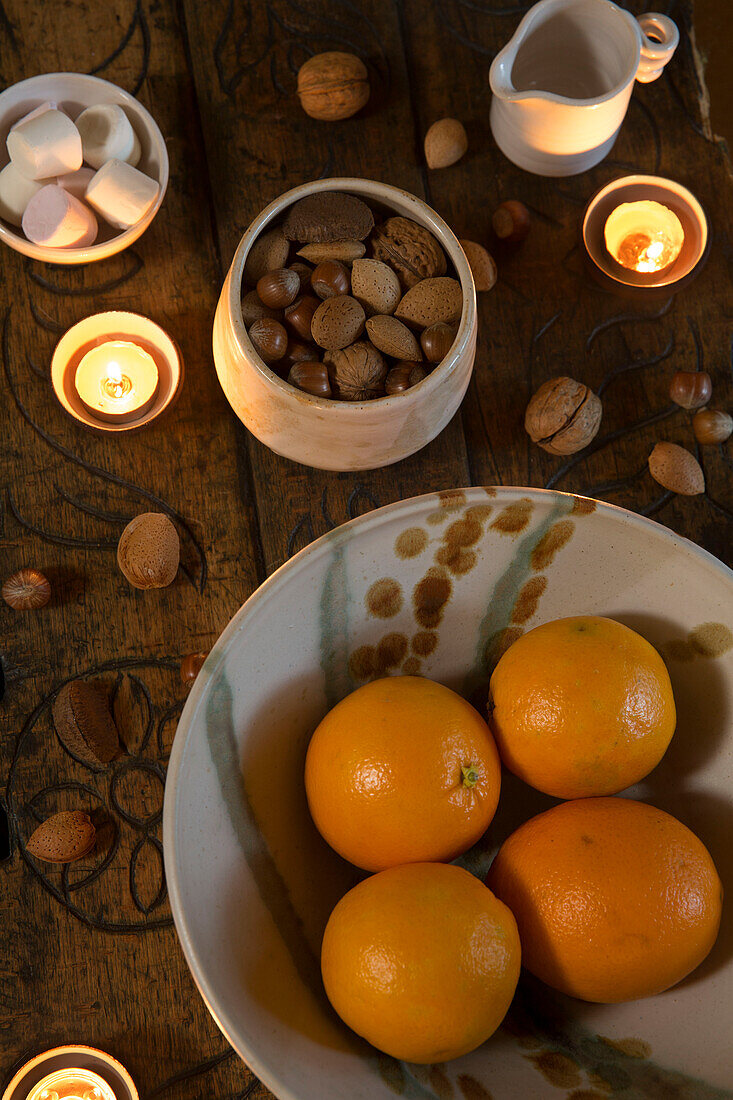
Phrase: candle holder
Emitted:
{"points": [[127, 334], [116, 1081], [649, 285]]}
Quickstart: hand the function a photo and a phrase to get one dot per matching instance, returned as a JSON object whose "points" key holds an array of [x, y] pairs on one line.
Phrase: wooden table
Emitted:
{"points": [[89, 954]]}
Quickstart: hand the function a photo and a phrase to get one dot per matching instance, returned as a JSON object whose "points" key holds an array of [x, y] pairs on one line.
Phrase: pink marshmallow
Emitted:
{"points": [[76, 183], [56, 219]]}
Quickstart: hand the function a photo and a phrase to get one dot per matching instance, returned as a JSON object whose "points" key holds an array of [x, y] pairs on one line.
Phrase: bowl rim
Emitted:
{"points": [[379, 192], [101, 250], [324, 544]]}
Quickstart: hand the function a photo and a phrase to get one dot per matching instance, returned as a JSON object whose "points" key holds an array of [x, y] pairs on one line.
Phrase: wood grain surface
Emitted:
{"points": [[89, 953]]}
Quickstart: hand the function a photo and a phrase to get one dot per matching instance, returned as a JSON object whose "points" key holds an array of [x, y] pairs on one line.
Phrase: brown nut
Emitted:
{"points": [[393, 338], [304, 272], [84, 722], [253, 309], [62, 838], [676, 469], [563, 416], [409, 249], [431, 301], [691, 389], [300, 314], [337, 322], [269, 339], [445, 143], [327, 216], [311, 378], [26, 590], [331, 278], [481, 263], [268, 252], [712, 426], [149, 551], [404, 376], [333, 85], [376, 286], [298, 351], [344, 251], [436, 341], [191, 665], [357, 372], [278, 288], [511, 221]]}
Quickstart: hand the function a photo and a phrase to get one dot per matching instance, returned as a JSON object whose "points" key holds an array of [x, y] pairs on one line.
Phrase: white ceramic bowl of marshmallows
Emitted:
{"points": [[83, 168]]}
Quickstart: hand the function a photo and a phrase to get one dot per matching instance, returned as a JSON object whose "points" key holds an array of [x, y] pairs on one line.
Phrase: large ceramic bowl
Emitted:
{"points": [[73, 92], [438, 584], [342, 435]]}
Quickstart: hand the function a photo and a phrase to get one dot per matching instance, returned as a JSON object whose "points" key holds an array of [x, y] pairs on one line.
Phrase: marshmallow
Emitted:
{"points": [[121, 194], [39, 110], [76, 183], [15, 193], [58, 220], [107, 134], [46, 145]]}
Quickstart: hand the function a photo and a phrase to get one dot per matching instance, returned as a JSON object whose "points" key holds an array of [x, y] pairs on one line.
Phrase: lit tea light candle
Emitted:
{"points": [[644, 236], [72, 1084], [117, 381]]}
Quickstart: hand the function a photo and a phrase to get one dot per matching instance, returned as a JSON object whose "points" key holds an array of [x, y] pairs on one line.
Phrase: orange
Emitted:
{"points": [[422, 961], [581, 707], [614, 899], [401, 771]]}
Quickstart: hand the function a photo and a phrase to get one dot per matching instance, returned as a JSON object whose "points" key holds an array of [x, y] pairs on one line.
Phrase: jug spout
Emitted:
{"points": [[500, 74]]}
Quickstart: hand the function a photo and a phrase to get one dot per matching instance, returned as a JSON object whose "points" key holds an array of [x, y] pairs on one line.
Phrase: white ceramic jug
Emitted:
{"points": [[561, 86]]}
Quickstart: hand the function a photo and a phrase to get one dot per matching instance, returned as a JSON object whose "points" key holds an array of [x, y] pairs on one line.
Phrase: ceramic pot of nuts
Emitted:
{"points": [[345, 333]]}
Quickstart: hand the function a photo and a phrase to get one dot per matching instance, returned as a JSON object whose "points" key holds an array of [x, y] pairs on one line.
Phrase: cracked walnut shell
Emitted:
{"points": [[409, 249], [563, 416], [357, 373]]}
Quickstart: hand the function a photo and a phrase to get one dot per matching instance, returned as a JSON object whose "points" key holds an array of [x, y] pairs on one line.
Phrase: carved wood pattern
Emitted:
{"points": [[220, 79]]}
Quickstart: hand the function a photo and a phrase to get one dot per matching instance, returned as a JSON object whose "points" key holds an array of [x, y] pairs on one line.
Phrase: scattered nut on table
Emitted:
{"points": [[445, 143], [62, 838], [674, 468], [149, 550], [191, 665], [84, 722], [26, 590], [333, 85], [481, 263], [563, 416], [511, 221], [712, 426], [691, 389]]}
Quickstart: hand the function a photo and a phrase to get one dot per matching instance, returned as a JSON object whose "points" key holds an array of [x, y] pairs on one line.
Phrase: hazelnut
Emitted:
{"points": [[563, 416], [691, 389], [712, 426], [403, 376], [333, 85], [278, 288], [191, 665], [269, 338], [304, 272], [437, 340], [253, 309], [337, 322], [481, 263], [311, 378], [445, 143], [331, 278], [676, 469], [300, 314], [26, 590], [298, 351], [357, 372], [149, 551], [511, 221]]}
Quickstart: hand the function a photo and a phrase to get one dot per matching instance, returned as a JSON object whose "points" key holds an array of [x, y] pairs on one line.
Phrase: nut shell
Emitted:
{"points": [[337, 322], [376, 286], [330, 278], [304, 272], [445, 143], [149, 551], [436, 341], [268, 252], [712, 426], [84, 722], [676, 469], [431, 301], [393, 338], [62, 838], [481, 263], [278, 288], [404, 376], [563, 416], [345, 251], [357, 372], [333, 85], [299, 315], [409, 249], [511, 221], [26, 590], [312, 378], [253, 309], [269, 339], [191, 665], [691, 389], [328, 216]]}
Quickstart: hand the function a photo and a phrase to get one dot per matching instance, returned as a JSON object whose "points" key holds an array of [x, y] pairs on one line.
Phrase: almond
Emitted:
{"points": [[84, 722], [431, 301], [393, 338], [149, 551], [268, 252], [445, 143], [66, 836], [481, 263], [409, 249], [376, 286], [328, 216], [337, 322], [345, 251], [676, 469]]}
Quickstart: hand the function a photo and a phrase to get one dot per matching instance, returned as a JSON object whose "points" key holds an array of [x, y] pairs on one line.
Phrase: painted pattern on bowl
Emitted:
{"points": [[439, 585]]}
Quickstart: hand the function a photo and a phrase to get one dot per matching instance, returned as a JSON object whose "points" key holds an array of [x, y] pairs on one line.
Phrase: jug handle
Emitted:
{"points": [[659, 40]]}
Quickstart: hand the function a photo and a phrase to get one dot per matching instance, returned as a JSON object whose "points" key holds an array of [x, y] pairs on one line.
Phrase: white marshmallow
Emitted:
{"points": [[107, 134], [76, 183], [15, 193], [121, 194], [39, 110], [56, 219], [47, 145]]}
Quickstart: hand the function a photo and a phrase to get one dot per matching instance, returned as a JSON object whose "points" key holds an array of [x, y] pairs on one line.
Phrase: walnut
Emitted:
{"points": [[563, 416], [408, 249], [358, 372]]}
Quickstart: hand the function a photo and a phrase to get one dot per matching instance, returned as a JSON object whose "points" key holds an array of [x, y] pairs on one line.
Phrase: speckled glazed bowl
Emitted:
{"points": [[342, 435], [438, 585]]}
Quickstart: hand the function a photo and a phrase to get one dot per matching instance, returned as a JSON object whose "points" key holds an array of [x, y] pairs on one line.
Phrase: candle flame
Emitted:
{"points": [[644, 236], [116, 384]]}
